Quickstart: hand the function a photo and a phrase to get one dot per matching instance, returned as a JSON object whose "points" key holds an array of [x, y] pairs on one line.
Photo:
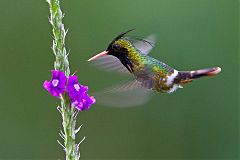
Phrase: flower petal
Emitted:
{"points": [[75, 90], [78, 94], [57, 84]]}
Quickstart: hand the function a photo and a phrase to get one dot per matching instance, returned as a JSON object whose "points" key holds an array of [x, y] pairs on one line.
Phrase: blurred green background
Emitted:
{"points": [[197, 122]]}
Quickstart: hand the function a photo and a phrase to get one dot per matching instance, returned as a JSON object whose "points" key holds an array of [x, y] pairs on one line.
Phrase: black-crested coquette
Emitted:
{"points": [[148, 72]]}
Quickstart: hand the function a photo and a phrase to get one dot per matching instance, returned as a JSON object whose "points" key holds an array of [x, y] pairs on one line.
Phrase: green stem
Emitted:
{"points": [[69, 122], [61, 63]]}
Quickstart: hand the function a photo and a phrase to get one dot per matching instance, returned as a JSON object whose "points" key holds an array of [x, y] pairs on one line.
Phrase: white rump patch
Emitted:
{"points": [[171, 78]]}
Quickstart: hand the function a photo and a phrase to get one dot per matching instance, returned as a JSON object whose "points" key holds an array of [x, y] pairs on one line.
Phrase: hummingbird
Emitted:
{"points": [[148, 72]]}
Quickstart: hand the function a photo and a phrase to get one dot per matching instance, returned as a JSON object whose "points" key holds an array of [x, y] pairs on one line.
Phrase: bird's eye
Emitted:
{"points": [[116, 46]]}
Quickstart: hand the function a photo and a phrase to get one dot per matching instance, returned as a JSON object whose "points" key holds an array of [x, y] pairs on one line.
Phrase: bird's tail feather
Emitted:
{"points": [[188, 76]]}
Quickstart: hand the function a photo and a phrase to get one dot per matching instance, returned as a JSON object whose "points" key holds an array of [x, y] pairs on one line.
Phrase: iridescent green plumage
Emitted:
{"points": [[152, 73], [149, 72]]}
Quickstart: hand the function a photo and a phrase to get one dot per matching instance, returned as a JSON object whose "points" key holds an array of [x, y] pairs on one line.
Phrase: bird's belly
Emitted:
{"points": [[160, 84]]}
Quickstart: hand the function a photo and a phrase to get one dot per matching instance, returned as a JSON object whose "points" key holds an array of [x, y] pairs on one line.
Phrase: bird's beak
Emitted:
{"points": [[99, 55]]}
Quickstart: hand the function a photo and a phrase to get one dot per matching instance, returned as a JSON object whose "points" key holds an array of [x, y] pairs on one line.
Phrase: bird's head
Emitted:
{"points": [[119, 47]]}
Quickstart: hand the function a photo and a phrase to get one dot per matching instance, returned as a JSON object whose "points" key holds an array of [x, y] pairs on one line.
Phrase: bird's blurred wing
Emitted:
{"points": [[110, 63], [145, 45], [146, 77], [125, 95]]}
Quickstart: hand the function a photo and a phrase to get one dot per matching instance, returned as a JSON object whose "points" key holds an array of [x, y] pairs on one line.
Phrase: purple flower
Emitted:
{"points": [[57, 84], [78, 94], [84, 103], [75, 90]]}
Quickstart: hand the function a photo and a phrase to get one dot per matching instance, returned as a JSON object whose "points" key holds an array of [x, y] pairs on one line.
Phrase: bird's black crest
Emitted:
{"points": [[121, 35]]}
